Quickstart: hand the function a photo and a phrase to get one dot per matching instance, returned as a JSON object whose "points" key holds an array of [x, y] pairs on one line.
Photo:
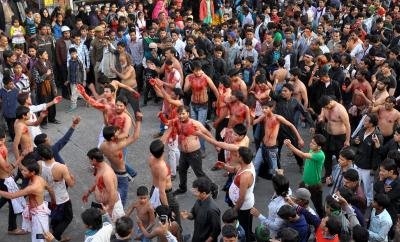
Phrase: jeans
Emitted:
{"points": [[367, 183], [128, 167], [266, 154], [199, 113], [192, 159], [60, 224], [12, 218], [123, 182], [74, 95]]}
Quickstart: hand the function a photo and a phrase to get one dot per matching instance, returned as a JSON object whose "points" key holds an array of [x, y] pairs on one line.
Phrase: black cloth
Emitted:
{"points": [[61, 217], [12, 218], [367, 156], [133, 101], [388, 146], [192, 159], [334, 144], [316, 197], [246, 221], [14, 8], [319, 89], [207, 220]]}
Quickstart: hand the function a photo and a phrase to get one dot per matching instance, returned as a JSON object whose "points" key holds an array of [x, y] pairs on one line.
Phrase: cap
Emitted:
{"points": [[99, 28], [232, 35], [153, 45], [262, 233], [324, 70], [65, 28], [303, 194]]}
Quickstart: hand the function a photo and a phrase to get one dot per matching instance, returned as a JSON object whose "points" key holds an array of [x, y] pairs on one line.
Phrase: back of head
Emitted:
{"points": [[157, 148], [40, 139], [281, 185], [240, 129], [351, 175], [92, 218], [246, 154], [382, 200], [286, 211], [124, 226], [229, 216], [45, 151], [95, 154], [288, 235], [21, 112], [334, 225], [109, 132], [360, 234]]}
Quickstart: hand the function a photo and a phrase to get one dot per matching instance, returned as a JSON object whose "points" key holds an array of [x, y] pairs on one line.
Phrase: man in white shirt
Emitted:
{"points": [[179, 45]]}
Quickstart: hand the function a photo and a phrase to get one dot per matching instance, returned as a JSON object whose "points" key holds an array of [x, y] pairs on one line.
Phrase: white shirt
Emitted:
{"points": [[180, 48], [103, 235], [35, 130]]}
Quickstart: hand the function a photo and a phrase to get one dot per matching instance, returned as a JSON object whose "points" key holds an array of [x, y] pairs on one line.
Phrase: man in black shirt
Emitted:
{"points": [[205, 213]]}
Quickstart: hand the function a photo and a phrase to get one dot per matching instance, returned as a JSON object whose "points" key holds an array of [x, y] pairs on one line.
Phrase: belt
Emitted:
{"points": [[121, 173], [200, 104]]}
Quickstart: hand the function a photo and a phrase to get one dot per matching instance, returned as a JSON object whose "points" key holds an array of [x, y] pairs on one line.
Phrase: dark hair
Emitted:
{"points": [[286, 211], [373, 119], [183, 108], [142, 191], [288, 86], [319, 139], [31, 164], [246, 154], [347, 194], [334, 225], [7, 54], [333, 205], [382, 200], [123, 226], [281, 185], [22, 97], [348, 153], [7, 79], [21, 111], [389, 165], [238, 95], [40, 52], [2, 133], [229, 231], [196, 64], [95, 154], [19, 46], [92, 218], [40, 139], [179, 92], [109, 132], [225, 81], [122, 99], [325, 100], [288, 235], [109, 86], [72, 50], [45, 151], [261, 79], [202, 184], [360, 234], [229, 216], [163, 210], [240, 129], [157, 148], [351, 175]]}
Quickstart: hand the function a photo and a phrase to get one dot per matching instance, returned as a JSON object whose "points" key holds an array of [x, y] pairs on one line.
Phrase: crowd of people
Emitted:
{"points": [[248, 77]]}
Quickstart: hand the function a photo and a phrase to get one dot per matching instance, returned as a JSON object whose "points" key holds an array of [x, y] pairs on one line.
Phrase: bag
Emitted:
{"points": [[45, 88]]}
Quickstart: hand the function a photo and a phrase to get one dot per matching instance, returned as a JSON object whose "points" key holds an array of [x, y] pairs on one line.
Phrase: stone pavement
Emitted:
{"points": [[85, 138]]}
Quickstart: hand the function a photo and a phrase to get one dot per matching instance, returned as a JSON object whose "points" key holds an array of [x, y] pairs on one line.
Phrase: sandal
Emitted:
{"points": [[17, 232]]}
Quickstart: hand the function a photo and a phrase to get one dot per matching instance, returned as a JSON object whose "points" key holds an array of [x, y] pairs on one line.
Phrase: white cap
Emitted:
{"points": [[65, 28]]}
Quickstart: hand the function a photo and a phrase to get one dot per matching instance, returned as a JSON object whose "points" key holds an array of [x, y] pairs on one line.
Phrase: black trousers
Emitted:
{"points": [[10, 126], [173, 205], [192, 159], [139, 76], [316, 197], [12, 218], [134, 102], [246, 221], [334, 143], [61, 217], [51, 116], [223, 124]]}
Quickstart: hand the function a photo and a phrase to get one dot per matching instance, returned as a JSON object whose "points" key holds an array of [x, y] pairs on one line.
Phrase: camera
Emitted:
{"points": [[336, 197], [163, 219]]}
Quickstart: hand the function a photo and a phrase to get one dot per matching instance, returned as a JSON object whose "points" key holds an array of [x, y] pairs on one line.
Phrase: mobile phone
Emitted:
{"points": [[336, 197], [163, 219], [96, 205], [40, 236]]}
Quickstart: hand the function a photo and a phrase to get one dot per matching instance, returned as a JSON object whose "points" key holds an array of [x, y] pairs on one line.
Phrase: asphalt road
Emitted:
{"points": [[85, 138]]}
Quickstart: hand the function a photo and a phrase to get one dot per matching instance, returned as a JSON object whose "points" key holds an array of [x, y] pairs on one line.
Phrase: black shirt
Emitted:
{"points": [[319, 89], [207, 220]]}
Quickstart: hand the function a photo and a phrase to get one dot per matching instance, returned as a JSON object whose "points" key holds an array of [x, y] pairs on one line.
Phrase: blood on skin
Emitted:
{"points": [[100, 184]]}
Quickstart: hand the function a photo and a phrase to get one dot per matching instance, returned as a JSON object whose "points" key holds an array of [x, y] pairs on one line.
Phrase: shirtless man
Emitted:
{"points": [[388, 116], [169, 54], [105, 82], [114, 114], [198, 83], [237, 83], [380, 94], [161, 176], [279, 75], [269, 148], [113, 148], [338, 130], [6, 169], [23, 137], [104, 187], [128, 78], [36, 214], [300, 90], [189, 145]]}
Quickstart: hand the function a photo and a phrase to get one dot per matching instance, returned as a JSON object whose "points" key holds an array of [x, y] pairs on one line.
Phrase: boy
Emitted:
{"points": [[380, 221], [229, 234], [123, 230], [76, 73], [20, 79], [248, 71], [148, 74], [8, 97], [145, 211], [249, 51], [345, 162], [230, 218], [295, 221], [314, 161]]}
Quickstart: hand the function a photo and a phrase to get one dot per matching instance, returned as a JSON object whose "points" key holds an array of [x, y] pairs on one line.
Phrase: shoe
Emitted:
{"points": [[214, 191], [179, 191], [55, 121], [43, 126], [71, 109], [157, 135]]}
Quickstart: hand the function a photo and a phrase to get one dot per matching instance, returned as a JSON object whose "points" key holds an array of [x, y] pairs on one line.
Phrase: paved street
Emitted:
{"points": [[85, 137]]}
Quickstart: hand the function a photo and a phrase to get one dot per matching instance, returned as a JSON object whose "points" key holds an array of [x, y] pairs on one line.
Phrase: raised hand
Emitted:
{"points": [[80, 88], [57, 99]]}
